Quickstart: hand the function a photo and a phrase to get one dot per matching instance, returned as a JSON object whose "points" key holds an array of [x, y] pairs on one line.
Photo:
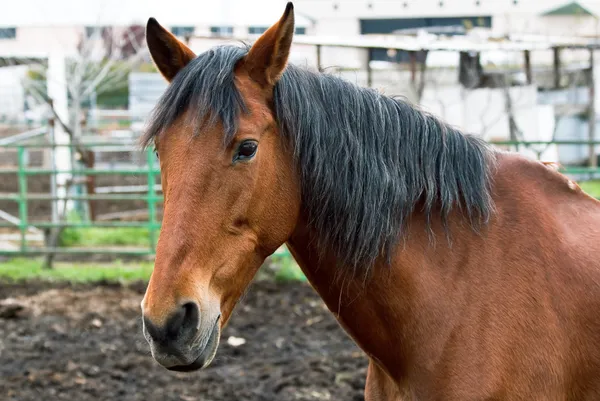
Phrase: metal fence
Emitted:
{"points": [[147, 193], [22, 197]]}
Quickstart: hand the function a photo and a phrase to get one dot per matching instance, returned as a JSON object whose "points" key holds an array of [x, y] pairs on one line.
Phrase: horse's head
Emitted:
{"points": [[231, 199]]}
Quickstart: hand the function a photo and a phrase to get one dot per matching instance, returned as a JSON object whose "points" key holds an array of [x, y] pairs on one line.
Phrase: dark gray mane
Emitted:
{"points": [[366, 161]]}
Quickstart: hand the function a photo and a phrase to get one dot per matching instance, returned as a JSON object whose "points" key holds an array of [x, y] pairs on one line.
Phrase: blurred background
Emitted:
{"points": [[81, 204]]}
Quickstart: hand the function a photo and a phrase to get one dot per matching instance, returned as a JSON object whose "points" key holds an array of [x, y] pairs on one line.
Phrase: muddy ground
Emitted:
{"points": [[81, 343]]}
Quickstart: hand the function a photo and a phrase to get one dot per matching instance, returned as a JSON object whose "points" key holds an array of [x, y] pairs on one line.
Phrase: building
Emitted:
{"points": [[451, 17], [550, 17], [38, 27], [33, 30]]}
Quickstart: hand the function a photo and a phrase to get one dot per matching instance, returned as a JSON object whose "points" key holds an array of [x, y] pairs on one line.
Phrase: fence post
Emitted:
{"points": [[22, 178], [593, 162], [151, 200], [370, 52]]}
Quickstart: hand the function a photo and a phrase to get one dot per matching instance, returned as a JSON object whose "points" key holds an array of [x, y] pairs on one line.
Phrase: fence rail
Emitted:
{"points": [[22, 171], [148, 193]]}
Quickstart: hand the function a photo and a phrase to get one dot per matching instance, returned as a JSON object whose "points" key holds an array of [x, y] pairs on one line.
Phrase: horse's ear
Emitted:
{"points": [[268, 57], [168, 53]]}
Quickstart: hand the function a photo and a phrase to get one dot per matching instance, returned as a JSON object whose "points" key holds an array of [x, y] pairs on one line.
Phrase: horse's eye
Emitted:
{"points": [[246, 150]]}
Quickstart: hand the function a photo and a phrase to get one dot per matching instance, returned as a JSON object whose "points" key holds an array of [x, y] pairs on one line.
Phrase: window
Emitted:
{"points": [[182, 31], [442, 25], [96, 31], [257, 30], [8, 33], [221, 30]]}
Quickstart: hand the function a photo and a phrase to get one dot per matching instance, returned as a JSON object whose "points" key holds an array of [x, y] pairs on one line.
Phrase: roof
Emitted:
{"points": [[432, 42], [131, 12], [570, 9]]}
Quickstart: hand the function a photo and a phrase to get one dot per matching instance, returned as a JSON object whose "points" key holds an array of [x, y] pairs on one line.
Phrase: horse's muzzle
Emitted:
{"points": [[206, 355], [184, 342]]}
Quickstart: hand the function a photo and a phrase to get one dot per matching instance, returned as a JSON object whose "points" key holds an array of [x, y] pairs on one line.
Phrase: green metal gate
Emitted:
{"points": [[23, 171]]}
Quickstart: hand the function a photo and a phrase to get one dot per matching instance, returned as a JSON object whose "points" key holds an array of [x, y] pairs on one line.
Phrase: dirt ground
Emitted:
{"points": [[81, 343]]}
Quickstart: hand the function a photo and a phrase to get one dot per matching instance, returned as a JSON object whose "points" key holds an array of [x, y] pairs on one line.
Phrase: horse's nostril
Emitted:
{"points": [[191, 316], [175, 322], [185, 320]]}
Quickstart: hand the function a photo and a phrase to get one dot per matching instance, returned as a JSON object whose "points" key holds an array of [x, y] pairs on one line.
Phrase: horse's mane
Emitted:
{"points": [[366, 161]]}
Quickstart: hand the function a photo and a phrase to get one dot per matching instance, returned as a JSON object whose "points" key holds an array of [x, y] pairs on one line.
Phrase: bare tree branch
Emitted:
{"points": [[104, 59]]}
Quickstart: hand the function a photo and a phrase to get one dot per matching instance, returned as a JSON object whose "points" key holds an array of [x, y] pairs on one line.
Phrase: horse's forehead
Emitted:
{"points": [[250, 90], [189, 134], [256, 100]]}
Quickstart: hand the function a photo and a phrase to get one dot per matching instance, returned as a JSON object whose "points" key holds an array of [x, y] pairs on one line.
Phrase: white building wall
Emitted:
{"points": [[483, 112], [42, 40], [12, 94], [342, 17], [429, 8], [330, 56], [504, 23]]}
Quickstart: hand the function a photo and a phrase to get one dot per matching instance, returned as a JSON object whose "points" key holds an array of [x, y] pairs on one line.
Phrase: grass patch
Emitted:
{"points": [[20, 269], [23, 269], [287, 269], [99, 236], [592, 187], [102, 236]]}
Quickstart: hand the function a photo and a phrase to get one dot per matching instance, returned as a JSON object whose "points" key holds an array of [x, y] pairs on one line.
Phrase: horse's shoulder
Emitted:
{"points": [[538, 178]]}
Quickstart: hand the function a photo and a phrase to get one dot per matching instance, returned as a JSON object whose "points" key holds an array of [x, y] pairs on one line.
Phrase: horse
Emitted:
{"points": [[462, 271]]}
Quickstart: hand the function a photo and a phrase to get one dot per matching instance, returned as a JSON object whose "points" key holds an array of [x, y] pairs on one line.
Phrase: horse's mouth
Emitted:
{"points": [[206, 355]]}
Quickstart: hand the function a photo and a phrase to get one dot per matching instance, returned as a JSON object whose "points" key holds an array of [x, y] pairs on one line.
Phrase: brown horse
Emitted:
{"points": [[462, 272]]}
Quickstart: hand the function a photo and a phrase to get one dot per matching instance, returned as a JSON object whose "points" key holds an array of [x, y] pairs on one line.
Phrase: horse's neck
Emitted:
{"points": [[383, 311], [405, 314]]}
